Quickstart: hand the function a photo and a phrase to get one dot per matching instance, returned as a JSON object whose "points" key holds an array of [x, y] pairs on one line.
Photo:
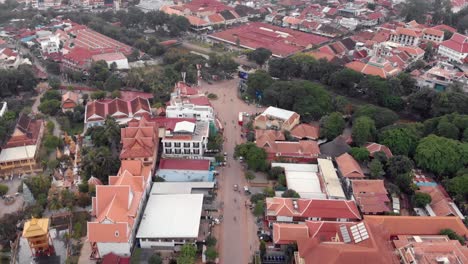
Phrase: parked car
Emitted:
{"points": [[236, 187]]}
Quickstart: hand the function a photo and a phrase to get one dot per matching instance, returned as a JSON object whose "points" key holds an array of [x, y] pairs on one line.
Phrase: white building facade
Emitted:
{"points": [[188, 140], [179, 109]]}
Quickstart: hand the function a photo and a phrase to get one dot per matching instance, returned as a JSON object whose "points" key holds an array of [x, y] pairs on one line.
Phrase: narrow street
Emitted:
{"points": [[238, 240]]}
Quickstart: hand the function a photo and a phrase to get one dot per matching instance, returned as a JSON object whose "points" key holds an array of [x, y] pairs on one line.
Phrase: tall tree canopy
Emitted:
{"points": [[441, 155]]}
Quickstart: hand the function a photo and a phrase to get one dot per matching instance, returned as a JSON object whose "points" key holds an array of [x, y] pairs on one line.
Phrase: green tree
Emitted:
{"points": [[3, 189], [332, 125], [361, 154], [258, 82], [447, 129], [269, 192], [112, 83], [50, 107], [346, 81], [262, 248], [290, 193], [376, 169], [187, 255], [405, 182], [402, 140], [381, 116], [399, 164], [51, 142], [254, 156], [259, 55], [257, 197], [98, 95], [211, 241], [275, 172], [155, 259], [259, 209], [421, 199], [54, 83], [249, 175], [363, 130], [452, 235], [211, 254], [441, 155], [282, 180], [458, 186]]}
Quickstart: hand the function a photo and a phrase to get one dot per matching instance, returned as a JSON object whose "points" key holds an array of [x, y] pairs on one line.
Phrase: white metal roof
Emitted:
{"points": [[303, 179], [17, 153], [171, 216], [330, 178], [184, 126], [179, 187], [278, 113]]}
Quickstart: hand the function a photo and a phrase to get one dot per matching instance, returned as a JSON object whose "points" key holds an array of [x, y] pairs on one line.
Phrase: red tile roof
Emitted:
{"points": [[457, 42], [371, 196], [306, 131], [271, 135], [129, 95], [349, 167], [27, 132], [139, 140], [109, 57], [441, 204], [98, 110], [445, 27], [374, 147], [311, 208], [281, 41], [184, 164], [117, 203], [185, 89], [322, 242], [169, 123]]}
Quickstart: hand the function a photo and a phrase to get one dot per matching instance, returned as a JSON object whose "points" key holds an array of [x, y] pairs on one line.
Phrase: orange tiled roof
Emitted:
{"points": [[277, 206], [440, 203], [375, 147], [349, 167], [307, 131], [371, 195]]}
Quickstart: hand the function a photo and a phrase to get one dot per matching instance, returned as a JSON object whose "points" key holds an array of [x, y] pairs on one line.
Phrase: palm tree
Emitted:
{"points": [[112, 132]]}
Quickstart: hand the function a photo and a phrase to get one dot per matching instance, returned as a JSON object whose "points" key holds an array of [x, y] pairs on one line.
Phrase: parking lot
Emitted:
{"points": [[18, 199]]}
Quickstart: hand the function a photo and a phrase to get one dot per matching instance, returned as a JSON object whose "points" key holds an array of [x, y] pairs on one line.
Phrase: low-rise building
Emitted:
{"points": [[170, 221], [186, 140], [332, 183], [304, 179], [434, 35], [306, 131], [371, 196], [376, 239], [123, 111], [291, 210], [442, 75], [69, 101], [349, 167], [117, 59], [185, 170], [373, 148], [20, 152], [277, 118], [441, 204]]}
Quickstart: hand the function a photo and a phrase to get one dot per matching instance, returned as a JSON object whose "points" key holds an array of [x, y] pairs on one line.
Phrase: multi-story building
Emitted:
{"points": [[405, 36], [187, 140], [455, 48], [441, 76], [433, 35], [117, 208]]}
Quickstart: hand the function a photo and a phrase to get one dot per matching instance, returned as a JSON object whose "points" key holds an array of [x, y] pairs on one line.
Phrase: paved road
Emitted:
{"points": [[237, 241]]}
